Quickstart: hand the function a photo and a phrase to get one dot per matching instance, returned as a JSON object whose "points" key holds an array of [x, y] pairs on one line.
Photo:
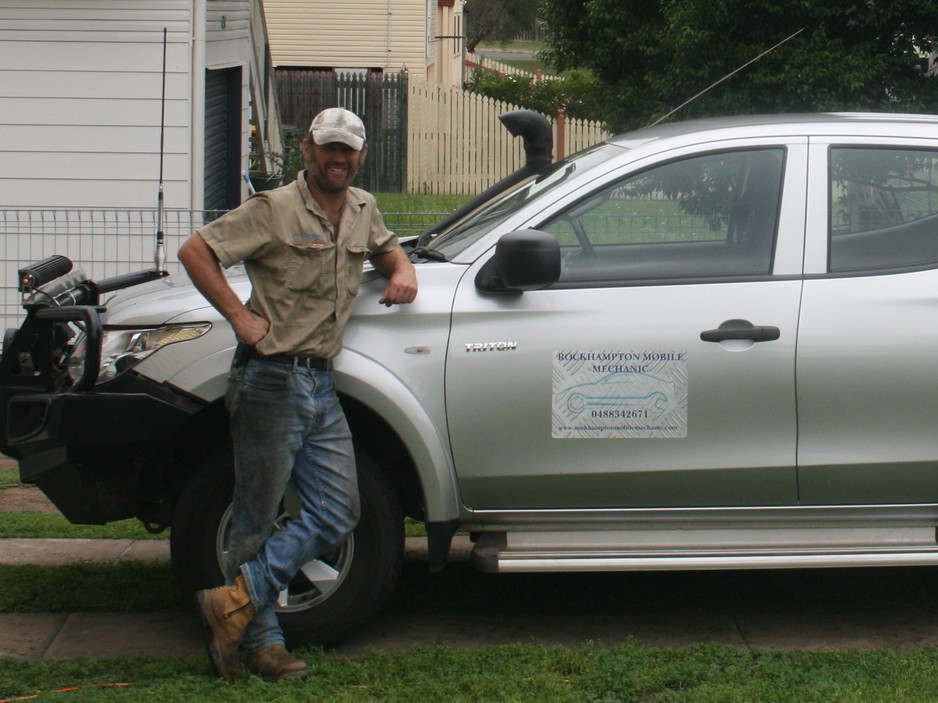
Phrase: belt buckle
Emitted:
{"points": [[309, 363], [300, 362]]}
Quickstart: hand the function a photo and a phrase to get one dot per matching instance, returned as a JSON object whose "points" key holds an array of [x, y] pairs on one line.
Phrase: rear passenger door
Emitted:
{"points": [[868, 345], [659, 371]]}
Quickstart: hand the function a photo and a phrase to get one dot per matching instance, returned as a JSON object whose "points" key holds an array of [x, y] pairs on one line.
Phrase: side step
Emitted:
{"points": [[704, 549]]}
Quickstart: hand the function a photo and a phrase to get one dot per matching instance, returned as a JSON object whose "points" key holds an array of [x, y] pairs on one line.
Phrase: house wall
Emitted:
{"points": [[80, 102], [80, 98], [356, 34]]}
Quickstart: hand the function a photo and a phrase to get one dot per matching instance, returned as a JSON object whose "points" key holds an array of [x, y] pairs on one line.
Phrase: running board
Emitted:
{"points": [[688, 550]]}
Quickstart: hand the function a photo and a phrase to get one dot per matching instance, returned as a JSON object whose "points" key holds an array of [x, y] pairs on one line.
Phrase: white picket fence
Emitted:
{"points": [[456, 143], [476, 61]]}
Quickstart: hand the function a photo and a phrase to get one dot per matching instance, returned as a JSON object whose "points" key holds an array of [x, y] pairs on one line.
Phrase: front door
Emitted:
{"points": [[660, 370]]}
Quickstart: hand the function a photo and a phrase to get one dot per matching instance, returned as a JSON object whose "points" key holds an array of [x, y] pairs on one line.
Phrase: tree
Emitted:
{"points": [[499, 20], [650, 56]]}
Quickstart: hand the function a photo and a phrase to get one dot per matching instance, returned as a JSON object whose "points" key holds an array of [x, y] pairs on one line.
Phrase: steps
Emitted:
{"points": [[705, 549]]}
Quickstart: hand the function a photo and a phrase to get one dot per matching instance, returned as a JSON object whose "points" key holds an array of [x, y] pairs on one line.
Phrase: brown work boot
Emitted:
{"points": [[275, 662], [226, 610]]}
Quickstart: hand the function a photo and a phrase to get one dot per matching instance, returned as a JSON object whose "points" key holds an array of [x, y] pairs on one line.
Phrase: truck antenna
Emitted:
{"points": [[159, 257], [728, 75]]}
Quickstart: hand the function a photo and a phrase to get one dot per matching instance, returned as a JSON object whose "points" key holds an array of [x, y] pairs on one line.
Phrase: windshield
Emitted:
{"points": [[488, 215]]}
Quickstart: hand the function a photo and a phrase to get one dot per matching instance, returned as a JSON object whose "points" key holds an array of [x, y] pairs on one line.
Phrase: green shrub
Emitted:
{"points": [[576, 92]]}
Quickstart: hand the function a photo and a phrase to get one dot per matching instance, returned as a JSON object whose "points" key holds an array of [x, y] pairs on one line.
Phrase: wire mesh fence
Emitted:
{"points": [[106, 242]]}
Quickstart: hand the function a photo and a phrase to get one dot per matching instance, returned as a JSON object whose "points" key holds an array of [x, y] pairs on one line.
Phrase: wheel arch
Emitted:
{"points": [[375, 398], [371, 434]]}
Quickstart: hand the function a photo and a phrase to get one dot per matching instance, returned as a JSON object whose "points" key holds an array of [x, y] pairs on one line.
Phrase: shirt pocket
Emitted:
{"points": [[310, 266], [354, 261]]}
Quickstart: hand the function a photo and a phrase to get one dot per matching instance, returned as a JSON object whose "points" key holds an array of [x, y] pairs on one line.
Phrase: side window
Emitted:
{"points": [[706, 216], [883, 209]]}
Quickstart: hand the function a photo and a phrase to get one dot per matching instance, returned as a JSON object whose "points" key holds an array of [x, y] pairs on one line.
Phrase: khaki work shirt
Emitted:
{"points": [[304, 275]]}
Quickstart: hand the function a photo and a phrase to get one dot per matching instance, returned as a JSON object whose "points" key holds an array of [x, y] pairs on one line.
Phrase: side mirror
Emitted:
{"points": [[524, 260]]}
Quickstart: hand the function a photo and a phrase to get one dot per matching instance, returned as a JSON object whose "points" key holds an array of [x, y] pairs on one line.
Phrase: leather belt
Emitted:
{"points": [[305, 362]]}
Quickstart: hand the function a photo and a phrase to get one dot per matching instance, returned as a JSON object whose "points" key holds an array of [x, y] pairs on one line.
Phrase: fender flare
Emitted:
{"points": [[376, 387]]}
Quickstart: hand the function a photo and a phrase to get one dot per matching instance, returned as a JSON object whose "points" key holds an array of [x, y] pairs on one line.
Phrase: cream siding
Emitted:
{"points": [[446, 67], [357, 34]]}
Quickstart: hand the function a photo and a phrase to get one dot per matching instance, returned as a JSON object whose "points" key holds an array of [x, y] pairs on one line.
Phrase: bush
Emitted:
{"points": [[577, 92]]}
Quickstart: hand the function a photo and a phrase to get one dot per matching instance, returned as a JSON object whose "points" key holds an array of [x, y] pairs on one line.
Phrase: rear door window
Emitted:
{"points": [[883, 209]]}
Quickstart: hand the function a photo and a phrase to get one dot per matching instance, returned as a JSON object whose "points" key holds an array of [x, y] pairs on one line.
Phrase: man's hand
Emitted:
{"points": [[402, 278], [250, 328], [401, 289]]}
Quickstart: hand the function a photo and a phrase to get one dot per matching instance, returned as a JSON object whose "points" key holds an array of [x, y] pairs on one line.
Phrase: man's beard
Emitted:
{"points": [[325, 184]]}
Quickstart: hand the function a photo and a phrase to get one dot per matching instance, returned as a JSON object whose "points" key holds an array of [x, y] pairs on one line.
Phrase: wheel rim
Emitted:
{"points": [[316, 580]]}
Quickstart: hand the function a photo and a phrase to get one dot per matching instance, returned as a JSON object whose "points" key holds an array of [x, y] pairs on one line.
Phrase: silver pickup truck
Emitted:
{"points": [[702, 345]]}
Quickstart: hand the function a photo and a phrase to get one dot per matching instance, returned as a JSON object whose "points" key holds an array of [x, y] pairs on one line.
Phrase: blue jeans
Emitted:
{"points": [[286, 422]]}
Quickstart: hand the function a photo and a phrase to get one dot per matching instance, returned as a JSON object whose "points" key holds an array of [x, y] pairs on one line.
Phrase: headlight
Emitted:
{"points": [[122, 349]]}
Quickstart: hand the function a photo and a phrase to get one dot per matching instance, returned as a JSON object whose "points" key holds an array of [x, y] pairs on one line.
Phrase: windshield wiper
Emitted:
{"points": [[429, 254], [425, 252]]}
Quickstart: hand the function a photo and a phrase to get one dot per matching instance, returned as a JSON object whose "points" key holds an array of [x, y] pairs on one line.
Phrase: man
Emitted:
{"points": [[303, 246]]}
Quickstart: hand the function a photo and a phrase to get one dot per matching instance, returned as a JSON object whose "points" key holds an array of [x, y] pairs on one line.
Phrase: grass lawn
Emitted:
{"points": [[522, 673], [516, 45], [36, 524], [407, 215], [408, 203]]}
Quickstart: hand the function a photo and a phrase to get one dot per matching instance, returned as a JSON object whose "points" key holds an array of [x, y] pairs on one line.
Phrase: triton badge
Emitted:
{"points": [[491, 346]]}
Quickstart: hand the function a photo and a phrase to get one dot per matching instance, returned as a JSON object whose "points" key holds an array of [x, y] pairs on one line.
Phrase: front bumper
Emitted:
{"points": [[95, 454]]}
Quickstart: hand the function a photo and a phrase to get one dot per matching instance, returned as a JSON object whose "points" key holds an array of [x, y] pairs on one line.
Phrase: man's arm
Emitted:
{"points": [[402, 278], [204, 269]]}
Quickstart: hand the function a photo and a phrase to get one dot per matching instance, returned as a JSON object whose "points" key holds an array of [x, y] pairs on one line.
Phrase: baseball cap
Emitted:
{"points": [[336, 124]]}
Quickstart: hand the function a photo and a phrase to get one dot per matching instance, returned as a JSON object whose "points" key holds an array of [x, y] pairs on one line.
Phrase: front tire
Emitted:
{"points": [[330, 597]]}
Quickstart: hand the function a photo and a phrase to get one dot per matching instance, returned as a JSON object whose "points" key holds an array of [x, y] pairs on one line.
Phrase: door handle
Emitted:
{"points": [[741, 329]]}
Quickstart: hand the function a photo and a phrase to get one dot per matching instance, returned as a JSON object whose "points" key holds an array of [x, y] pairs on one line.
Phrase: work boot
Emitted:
{"points": [[226, 611], [275, 662]]}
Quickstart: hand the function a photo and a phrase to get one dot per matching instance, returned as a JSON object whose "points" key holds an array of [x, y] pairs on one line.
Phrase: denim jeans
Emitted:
{"points": [[286, 422]]}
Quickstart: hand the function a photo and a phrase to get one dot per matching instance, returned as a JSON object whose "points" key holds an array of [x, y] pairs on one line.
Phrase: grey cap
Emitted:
{"points": [[336, 124]]}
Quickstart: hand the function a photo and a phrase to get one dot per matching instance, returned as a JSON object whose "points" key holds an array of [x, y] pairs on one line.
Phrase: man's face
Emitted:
{"points": [[332, 167]]}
